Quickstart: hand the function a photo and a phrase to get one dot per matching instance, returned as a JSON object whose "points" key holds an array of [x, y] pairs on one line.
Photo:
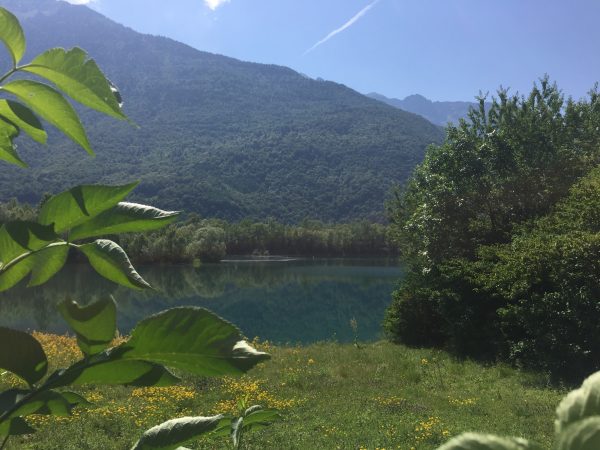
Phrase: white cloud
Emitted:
{"points": [[214, 4], [80, 2], [358, 15]]}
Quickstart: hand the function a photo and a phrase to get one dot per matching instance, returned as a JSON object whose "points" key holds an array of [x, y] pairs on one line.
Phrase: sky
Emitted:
{"points": [[442, 49]]}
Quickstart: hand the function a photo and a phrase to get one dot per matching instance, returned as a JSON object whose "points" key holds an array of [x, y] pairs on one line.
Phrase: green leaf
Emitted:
{"points": [[80, 204], [10, 397], [48, 403], [479, 441], [256, 417], [236, 431], [224, 427], [22, 355], [115, 372], [42, 264], [191, 339], [579, 403], [22, 117], [79, 77], [170, 434], [8, 151], [20, 237], [124, 218], [47, 262], [112, 263], [52, 106], [581, 435], [15, 427], [11, 35], [95, 325]]}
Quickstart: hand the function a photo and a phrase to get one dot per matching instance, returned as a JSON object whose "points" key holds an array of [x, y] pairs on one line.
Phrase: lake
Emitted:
{"points": [[283, 301]]}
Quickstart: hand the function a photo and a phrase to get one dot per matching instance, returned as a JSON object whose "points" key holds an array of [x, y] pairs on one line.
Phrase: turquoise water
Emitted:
{"points": [[284, 301]]}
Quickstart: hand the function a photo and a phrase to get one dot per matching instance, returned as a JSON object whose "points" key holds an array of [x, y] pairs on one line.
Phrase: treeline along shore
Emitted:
{"points": [[210, 240]]}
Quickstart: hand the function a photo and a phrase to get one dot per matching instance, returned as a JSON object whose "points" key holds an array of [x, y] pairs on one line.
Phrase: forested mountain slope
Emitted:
{"points": [[215, 135]]}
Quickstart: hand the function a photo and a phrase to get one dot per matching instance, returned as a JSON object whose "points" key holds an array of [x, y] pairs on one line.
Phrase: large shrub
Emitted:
{"points": [[500, 237]]}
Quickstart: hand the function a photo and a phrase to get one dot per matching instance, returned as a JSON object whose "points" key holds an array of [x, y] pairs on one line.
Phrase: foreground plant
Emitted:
{"points": [[188, 339], [577, 425], [172, 433]]}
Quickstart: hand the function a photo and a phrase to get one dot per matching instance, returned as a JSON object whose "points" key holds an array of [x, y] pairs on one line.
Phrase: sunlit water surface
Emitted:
{"points": [[288, 301]]}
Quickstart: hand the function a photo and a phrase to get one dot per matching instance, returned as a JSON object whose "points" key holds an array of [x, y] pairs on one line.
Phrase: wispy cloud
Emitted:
{"points": [[214, 4], [348, 24], [80, 2]]}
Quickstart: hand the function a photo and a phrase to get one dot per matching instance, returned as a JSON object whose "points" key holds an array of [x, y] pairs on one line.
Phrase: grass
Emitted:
{"points": [[331, 396]]}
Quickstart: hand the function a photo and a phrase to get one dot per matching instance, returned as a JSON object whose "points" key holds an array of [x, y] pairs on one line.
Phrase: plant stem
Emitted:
{"points": [[22, 256], [4, 442], [5, 76]]}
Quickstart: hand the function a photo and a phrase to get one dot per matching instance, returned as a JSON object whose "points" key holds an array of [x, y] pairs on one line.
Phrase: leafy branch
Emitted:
{"points": [[188, 339]]}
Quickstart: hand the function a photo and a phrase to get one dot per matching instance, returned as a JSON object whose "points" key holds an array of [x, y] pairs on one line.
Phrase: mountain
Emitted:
{"points": [[439, 113], [215, 135]]}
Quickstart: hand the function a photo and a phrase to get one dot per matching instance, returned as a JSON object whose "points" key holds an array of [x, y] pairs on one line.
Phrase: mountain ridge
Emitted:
{"points": [[219, 136], [438, 112]]}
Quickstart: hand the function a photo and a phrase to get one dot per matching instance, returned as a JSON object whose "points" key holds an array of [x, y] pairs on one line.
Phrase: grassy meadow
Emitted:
{"points": [[331, 396]]}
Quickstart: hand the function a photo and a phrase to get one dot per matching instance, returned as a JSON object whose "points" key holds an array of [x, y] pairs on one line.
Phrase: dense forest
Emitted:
{"points": [[499, 230], [209, 240], [217, 136]]}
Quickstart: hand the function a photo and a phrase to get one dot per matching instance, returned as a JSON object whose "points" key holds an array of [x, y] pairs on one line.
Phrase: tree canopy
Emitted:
{"points": [[479, 200]]}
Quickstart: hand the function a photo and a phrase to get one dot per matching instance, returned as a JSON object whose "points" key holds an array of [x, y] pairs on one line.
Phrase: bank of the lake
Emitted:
{"points": [[331, 396]]}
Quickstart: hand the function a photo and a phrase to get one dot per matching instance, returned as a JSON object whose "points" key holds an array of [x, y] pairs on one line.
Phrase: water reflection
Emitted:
{"points": [[292, 301]]}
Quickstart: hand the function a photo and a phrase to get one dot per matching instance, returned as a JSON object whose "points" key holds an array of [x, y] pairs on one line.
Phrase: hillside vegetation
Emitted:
{"points": [[218, 136]]}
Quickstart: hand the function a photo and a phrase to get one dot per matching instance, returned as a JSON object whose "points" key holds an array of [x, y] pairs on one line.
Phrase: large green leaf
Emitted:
{"points": [[95, 324], [8, 152], [20, 237], [23, 118], [115, 372], [47, 262], [42, 264], [112, 263], [10, 397], [236, 431], [11, 35], [80, 204], [479, 441], [170, 434], [22, 355], [191, 339], [15, 427], [79, 77], [123, 218], [581, 435], [580, 403], [52, 106], [45, 402], [256, 417]]}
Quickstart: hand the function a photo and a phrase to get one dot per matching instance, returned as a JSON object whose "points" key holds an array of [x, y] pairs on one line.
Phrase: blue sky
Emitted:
{"points": [[443, 49]]}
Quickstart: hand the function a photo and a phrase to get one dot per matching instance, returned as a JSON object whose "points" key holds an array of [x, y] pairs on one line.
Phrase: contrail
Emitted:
{"points": [[361, 13]]}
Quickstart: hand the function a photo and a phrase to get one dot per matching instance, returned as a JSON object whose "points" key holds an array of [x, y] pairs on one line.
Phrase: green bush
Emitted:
{"points": [[498, 228]]}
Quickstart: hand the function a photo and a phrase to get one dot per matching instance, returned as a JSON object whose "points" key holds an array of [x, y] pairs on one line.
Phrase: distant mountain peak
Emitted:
{"points": [[417, 97], [440, 113]]}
